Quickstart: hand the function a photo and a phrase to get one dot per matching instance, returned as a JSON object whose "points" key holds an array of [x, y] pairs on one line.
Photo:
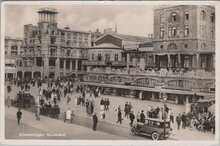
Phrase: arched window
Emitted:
{"points": [[174, 17], [202, 15], [203, 46], [212, 17], [172, 46]]}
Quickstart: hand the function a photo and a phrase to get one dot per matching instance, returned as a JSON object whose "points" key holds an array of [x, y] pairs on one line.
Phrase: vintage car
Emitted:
{"points": [[23, 100], [152, 127]]}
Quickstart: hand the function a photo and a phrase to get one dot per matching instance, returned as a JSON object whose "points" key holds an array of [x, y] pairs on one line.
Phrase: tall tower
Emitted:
{"points": [[47, 20]]}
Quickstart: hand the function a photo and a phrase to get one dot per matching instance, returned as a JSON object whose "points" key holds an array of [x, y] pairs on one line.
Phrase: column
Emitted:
{"points": [[57, 74], [71, 67], [76, 65], [179, 61], [127, 61], [154, 59], [169, 62], [141, 95], [198, 61], [153, 96], [64, 65], [32, 74]]}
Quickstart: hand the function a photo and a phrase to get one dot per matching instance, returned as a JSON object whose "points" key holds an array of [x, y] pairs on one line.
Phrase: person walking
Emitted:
{"points": [[68, 116], [95, 121], [132, 117], [119, 117], [19, 113], [142, 117], [8, 101], [178, 121], [183, 120]]}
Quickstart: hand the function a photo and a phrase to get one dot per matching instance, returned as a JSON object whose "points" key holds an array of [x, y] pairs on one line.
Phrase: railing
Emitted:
{"points": [[160, 73]]}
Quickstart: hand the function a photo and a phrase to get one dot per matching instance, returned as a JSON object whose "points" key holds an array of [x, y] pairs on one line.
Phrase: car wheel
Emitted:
{"points": [[133, 130], [155, 136]]}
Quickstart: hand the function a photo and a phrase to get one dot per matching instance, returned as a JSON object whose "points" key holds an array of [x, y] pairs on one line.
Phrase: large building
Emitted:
{"points": [[178, 63], [50, 51], [13, 49]]}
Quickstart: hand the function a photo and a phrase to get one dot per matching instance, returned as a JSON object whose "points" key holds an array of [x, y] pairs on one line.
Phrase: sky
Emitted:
{"points": [[130, 19]]}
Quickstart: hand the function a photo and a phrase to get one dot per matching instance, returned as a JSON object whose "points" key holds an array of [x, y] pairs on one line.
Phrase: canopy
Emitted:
{"points": [[212, 108], [206, 100]]}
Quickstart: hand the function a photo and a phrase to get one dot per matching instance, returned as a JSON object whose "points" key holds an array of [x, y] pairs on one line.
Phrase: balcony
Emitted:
{"points": [[153, 73]]}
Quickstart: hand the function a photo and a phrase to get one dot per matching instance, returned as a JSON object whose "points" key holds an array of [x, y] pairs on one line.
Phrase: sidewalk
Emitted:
{"points": [[57, 127]]}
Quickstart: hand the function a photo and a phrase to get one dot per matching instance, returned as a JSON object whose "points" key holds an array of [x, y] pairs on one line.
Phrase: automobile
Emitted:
{"points": [[23, 100], [153, 128]]}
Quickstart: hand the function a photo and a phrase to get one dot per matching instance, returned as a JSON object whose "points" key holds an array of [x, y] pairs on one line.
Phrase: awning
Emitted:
{"points": [[149, 89], [206, 100]]}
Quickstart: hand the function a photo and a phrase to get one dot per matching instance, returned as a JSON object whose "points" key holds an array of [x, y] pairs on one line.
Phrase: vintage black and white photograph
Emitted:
{"points": [[79, 71]]}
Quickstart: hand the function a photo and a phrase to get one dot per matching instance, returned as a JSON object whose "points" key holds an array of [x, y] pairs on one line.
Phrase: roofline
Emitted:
{"points": [[70, 30], [106, 35]]}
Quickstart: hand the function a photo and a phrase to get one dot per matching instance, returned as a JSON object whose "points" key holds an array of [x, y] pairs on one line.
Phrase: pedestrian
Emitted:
{"points": [[8, 101], [138, 116], [68, 100], [178, 121], [102, 103], [95, 121], [19, 113], [142, 117], [132, 117], [107, 104], [183, 120], [68, 115], [72, 116], [119, 117]]}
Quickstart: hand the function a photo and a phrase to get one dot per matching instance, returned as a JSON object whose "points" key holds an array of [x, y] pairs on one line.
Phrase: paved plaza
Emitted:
{"points": [[108, 125]]}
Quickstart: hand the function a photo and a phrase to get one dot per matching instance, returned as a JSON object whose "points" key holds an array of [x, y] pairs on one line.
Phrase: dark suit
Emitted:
{"points": [[19, 113], [95, 121]]}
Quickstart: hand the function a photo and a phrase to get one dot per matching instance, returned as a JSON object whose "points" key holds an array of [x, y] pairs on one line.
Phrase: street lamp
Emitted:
{"points": [[164, 113]]}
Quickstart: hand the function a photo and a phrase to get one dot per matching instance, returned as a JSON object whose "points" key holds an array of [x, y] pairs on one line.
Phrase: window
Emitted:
{"points": [[162, 33], [169, 32], [93, 57], [174, 32], [203, 46], [186, 31], [212, 33], [162, 18], [161, 46], [67, 64], [99, 57], [203, 31], [186, 15], [172, 46], [68, 52], [173, 17], [107, 57], [202, 15], [212, 17], [61, 63], [116, 57], [52, 52], [185, 46]]}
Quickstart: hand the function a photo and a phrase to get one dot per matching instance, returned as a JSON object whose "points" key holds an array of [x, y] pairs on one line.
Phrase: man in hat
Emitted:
{"points": [[19, 113], [95, 121]]}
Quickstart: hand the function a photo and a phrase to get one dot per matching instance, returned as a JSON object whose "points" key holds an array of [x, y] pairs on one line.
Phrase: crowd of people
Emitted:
{"points": [[49, 97]]}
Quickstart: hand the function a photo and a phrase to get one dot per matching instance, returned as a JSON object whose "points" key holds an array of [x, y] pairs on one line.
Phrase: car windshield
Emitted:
{"points": [[167, 125]]}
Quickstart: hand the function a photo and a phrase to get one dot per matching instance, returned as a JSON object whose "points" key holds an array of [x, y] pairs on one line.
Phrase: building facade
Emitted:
{"points": [[50, 51], [13, 49], [178, 63]]}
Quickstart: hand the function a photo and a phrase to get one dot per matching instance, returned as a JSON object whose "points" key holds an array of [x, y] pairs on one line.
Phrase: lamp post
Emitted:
{"points": [[164, 113]]}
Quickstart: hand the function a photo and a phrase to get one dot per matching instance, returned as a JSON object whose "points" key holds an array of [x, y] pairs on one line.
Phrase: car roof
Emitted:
{"points": [[157, 120]]}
